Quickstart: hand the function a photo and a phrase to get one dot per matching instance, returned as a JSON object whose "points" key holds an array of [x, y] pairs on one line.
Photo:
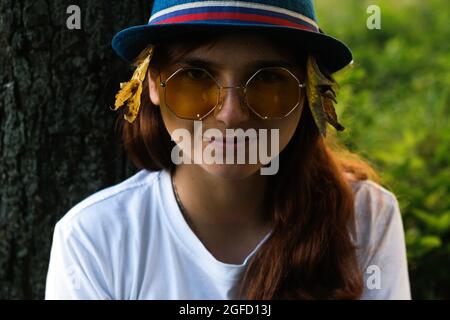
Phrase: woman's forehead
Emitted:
{"points": [[246, 43], [243, 49]]}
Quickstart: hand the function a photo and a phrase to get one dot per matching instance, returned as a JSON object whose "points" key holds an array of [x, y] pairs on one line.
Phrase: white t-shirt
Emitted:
{"points": [[130, 241]]}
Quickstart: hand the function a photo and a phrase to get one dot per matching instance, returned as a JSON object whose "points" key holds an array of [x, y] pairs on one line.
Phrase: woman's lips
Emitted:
{"points": [[230, 141]]}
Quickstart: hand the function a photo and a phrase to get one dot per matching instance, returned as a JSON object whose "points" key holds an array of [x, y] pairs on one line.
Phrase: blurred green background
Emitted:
{"points": [[394, 103]]}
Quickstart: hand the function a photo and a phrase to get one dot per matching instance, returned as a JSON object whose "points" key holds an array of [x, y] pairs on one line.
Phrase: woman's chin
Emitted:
{"points": [[232, 171]]}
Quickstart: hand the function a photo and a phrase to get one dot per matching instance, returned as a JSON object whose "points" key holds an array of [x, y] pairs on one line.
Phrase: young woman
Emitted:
{"points": [[318, 226]]}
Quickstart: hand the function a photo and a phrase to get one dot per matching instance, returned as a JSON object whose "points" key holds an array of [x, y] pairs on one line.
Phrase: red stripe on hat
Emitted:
{"points": [[234, 16]]}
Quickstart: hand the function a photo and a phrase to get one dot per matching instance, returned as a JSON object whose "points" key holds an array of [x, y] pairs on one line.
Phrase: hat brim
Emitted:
{"points": [[129, 42]]}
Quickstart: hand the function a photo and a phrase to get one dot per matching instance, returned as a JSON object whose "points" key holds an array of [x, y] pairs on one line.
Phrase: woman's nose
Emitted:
{"points": [[232, 108]]}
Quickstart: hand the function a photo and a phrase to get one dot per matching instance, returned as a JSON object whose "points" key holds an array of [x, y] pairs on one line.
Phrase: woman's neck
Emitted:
{"points": [[221, 204]]}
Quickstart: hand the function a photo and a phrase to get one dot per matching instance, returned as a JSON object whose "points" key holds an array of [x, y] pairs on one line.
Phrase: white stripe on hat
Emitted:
{"points": [[241, 4]]}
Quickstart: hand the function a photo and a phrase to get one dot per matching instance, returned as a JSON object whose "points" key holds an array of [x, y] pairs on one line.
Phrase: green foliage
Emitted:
{"points": [[394, 104]]}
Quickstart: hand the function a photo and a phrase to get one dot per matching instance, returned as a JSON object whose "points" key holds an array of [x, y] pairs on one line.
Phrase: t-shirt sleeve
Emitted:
{"points": [[75, 269], [382, 247]]}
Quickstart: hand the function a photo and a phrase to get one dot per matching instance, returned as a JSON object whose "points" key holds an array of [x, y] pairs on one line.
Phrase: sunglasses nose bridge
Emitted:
{"points": [[231, 87], [241, 95]]}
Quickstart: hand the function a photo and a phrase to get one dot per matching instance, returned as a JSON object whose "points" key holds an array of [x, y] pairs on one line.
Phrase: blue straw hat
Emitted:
{"points": [[294, 18]]}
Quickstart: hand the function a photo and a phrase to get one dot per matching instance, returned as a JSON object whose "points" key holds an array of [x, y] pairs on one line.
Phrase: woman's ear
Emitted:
{"points": [[153, 88]]}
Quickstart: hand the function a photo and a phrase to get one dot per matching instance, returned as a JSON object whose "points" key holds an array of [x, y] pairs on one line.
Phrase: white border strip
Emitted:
{"points": [[242, 4]]}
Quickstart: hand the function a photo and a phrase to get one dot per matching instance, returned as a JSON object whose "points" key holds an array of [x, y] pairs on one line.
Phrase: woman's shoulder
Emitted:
{"points": [[380, 241], [377, 214], [113, 205], [373, 201], [94, 243]]}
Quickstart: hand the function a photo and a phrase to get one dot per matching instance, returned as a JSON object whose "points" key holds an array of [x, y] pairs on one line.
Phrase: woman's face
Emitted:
{"points": [[234, 58]]}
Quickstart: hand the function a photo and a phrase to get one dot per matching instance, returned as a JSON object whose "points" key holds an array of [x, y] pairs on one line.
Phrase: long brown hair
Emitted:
{"points": [[310, 253]]}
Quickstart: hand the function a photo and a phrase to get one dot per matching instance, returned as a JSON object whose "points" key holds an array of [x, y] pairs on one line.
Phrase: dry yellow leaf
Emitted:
{"points": [[130, 92]]}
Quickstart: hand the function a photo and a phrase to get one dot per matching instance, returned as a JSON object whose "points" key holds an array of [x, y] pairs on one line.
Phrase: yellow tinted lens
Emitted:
{"points": [[191, 93], [273, 92]]}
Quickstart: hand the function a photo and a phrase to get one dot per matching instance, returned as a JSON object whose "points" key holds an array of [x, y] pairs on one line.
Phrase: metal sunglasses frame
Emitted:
{"points": [[163, 84]]}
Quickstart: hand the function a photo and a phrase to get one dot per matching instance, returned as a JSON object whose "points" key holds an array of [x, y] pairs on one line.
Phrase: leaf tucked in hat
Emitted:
{"points": [[130, 92], [321, 92]]}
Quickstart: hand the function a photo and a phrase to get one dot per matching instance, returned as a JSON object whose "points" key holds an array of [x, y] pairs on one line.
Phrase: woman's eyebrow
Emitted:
{"points": [[256, 64]]}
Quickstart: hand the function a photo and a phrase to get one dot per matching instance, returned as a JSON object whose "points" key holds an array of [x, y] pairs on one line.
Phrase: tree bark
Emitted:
{"points": [[57, 138]]}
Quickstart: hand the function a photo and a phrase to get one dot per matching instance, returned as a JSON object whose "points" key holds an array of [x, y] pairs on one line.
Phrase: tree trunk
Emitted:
{"points": [[57, 138]]}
